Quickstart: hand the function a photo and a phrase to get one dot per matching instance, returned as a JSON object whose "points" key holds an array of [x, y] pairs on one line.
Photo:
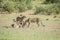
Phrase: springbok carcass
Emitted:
{"points": [[18, 22], [33, 20]]}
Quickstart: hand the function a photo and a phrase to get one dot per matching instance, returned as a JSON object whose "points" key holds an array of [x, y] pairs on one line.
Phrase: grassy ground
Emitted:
{"points": [[51, 31], [28, 34]]}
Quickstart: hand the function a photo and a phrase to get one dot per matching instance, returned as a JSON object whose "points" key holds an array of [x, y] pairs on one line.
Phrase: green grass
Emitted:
{"points": [[27, 34]]}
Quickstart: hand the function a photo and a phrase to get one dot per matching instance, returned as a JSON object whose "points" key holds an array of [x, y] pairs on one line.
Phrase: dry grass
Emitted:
{"points": [[51, 31]]}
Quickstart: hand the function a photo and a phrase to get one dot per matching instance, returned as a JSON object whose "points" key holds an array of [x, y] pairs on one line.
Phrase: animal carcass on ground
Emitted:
{"points": [[18, 22]]}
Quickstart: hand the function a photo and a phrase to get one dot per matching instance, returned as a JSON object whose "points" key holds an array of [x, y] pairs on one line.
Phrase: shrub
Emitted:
{"points": [[18, 5], [29, 4], [9, 6], [29, 7], [51, 1], [48, 9], [21, 7], [38, 10]]}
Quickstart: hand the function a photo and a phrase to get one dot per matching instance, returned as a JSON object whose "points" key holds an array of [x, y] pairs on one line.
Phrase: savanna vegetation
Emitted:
{"points": [[16, 8], [40, 6]]}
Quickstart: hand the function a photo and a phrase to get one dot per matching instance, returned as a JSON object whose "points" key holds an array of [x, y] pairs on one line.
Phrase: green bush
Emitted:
{"points": [[52, 6], [29, 7], [9, 6], [29, 4], [22, 8], [38, 10], [55, 9], [42, 10], [51, 1], [12, 5], [48, 10]]}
